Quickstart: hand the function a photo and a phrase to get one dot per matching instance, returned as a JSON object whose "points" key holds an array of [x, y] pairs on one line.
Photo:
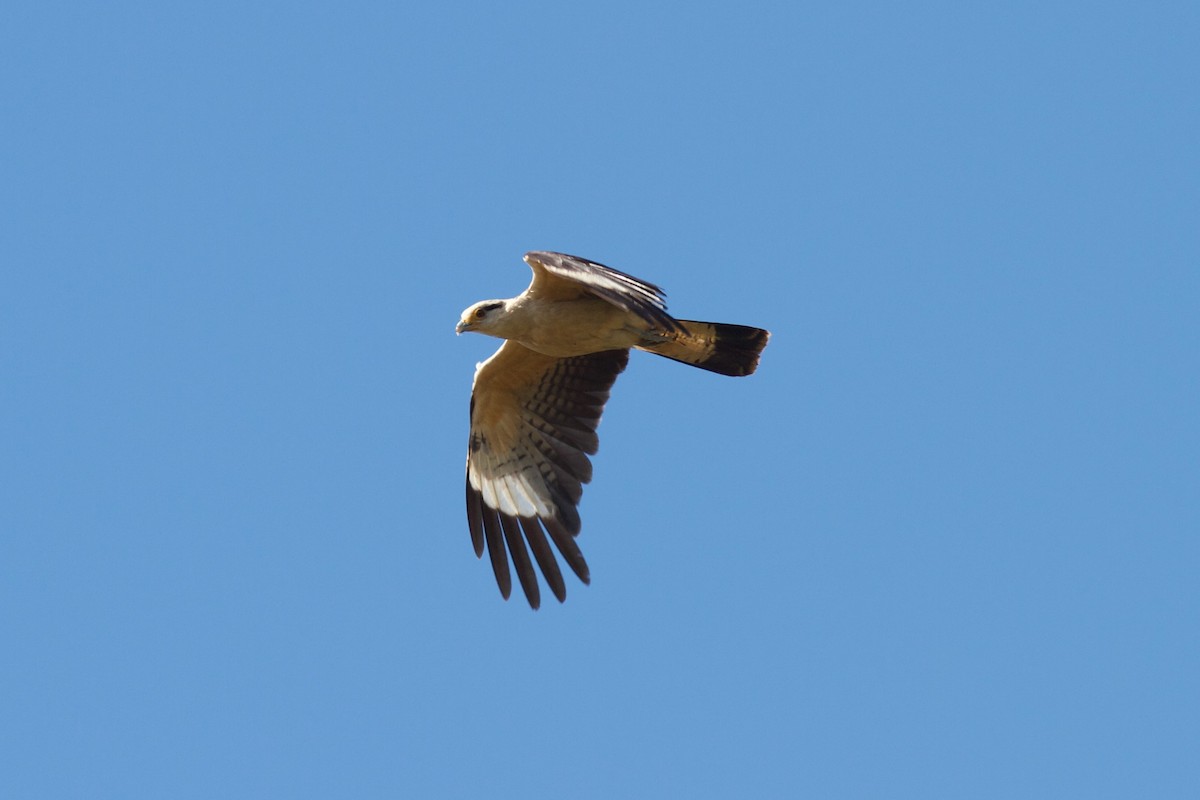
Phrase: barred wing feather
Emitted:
{"points": [[533, 426]]}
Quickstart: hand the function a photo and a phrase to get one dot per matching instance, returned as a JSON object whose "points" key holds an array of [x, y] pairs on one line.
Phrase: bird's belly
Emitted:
{"points": [[580, 329]]}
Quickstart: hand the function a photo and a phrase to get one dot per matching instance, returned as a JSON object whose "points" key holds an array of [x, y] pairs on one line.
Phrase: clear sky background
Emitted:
{"points": [[943, 544]]}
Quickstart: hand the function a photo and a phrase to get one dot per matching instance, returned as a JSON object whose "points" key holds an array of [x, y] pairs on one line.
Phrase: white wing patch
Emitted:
{"points": [[518, 493]]}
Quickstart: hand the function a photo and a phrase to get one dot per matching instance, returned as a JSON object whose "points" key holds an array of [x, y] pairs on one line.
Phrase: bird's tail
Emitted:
{"points": [[714, 346]]}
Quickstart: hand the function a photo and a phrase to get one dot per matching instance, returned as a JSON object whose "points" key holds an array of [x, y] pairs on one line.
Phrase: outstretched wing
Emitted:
{"points": [[559, 276], [533, 426]]}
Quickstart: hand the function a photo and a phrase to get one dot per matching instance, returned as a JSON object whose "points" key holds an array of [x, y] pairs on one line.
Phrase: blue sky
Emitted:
{"points": [[943, 544]]}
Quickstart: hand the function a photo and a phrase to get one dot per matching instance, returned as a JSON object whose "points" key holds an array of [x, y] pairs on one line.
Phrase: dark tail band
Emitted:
{"points": [[715, 346]]}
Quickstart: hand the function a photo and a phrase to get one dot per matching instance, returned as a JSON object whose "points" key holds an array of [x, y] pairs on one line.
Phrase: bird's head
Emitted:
{"points": [[480, 317]]}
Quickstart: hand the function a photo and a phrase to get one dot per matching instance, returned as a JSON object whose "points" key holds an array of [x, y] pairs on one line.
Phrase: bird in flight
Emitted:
{"points": [[536, 402]]}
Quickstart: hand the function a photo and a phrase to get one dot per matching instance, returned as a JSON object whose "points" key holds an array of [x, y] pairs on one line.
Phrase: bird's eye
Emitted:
{"points": [[480, 313]]}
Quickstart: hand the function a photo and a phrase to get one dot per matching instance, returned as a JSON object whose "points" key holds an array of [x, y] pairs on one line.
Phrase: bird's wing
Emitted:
{"points": [[533, 426], [558, 276]]}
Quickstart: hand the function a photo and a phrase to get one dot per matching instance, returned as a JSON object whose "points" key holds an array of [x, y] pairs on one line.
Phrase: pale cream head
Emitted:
{"points": [[477, 317]]}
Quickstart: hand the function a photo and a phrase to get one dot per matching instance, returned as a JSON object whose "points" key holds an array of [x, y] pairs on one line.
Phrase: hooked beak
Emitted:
{"points": [[461, 326]]}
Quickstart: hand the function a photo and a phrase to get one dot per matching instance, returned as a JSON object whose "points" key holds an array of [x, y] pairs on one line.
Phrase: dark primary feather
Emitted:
{"points": [[495, 545], [545, 557], [520, 559], [622, 290]]}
